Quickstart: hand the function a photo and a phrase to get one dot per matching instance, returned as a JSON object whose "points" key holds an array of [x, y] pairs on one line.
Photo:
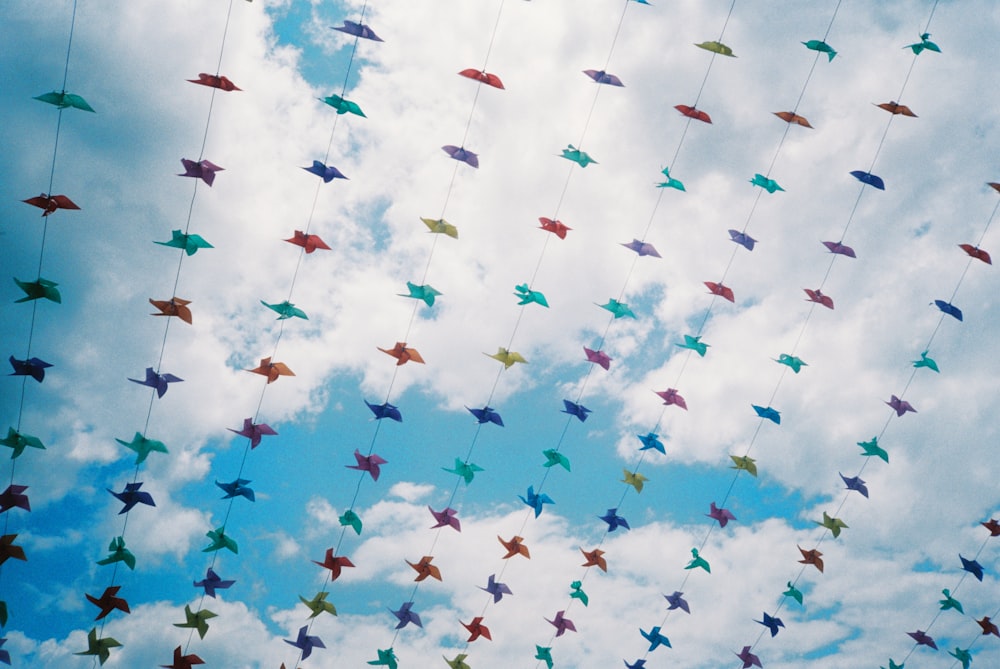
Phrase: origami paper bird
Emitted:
{"points": [[923, 44], [671, 182], [743, 239], [576, 592], [18, 441], [37, 290], [855, 483], [508, 358], [318, 604], [213, 582], [924, 361], [893, 665], [405, 615], [358, 30], [462, 154], [308, 242], [770, 185], [117, 552], [597, 357], [350, 519], [305, 642], [922, 639], [368, 463], [595, 558], [215, 81], [719, 514], [386, 658], [614, 521], [441, 227], [821, 47], [446, 516], [722, 291], [3, 617], [792, 117], [325, 172], [101, 648], [894, 108], [693, 112], [602, 77], [977, 253], [9, 550], [254, 431], [220, 540], [973, 567], [13, 496], [872, 448], [988, 627], [109, 601], [651, 441], [33, 367], [425, 293], [175, 306], [818, 297], [869, 179], [189, 243], [634, 479], [486, 415], [237, 488], [670, 396], [835, 525], [285, 310], [143, 447], [483, 76], [495, 588], [385, 410], [197, 620], [813, 557], [993, 526], [962, 655], [796, 364], [49, 203], [204, 170], [64, 100], [949, 308], [950, 602], [535, 500], [554, 457], [793, 592], [642, 248], [515, 546], [182, 661], [617, 309], [555, 227], [466, 470], [695, 344], [424, 568], [579, 157], [767, 412], [335, 563], [677, 601], [544, 654], [900, 406], [640, 663], [477, 629], [574, 409], [343, 106], [561, 623], [748, 658], [158, 382], [716, 47], [744, 463], [459, 661], [527, 296], [840, 249], [131, 496], [655, 638]]}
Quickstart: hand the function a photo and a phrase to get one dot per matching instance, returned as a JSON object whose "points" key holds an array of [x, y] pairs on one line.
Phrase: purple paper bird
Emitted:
{"points": [[772, 623], [923, 639], [869, 179], [561, 623], [497, 589], [743, 239], [326, 172], [602, 77], [837, 247], [305, 643], [855, 483], [204, 170], [900, 406], [462, 154], [406, 615], [973, 567], [358, 30], [536, 500], [14, 496], [574, 409], [368, 463], [721, 515], [131, 496], [33, 367], [614, 521], [157, 381], [642, 248], [598, 358], [237, 488], [385, 411], [651, 441], [677, 601], [212, 582], [671, 396], [949, 308], [748, 658], [254, 431], [446, 516], [486, 415]]}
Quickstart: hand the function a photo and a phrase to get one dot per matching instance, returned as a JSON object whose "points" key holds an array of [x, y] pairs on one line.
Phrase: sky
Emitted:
{"points": [[883, 576]]}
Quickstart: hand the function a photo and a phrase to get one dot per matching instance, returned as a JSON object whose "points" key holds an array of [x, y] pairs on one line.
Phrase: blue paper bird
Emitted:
{"points": [[651, 440], [855, 483], [614, 521], [212, 582], [772, 623], [536, 500], [497, 589], [972, 567], [768, 413], [574, 409], [743, 239], [158, 382], [869, 179], [305, 643], [131, 496], [326, 172], [677, 601], [655, 638], [486, 415], [237, 487], [385, 411], [406, 615], [949, 308]]}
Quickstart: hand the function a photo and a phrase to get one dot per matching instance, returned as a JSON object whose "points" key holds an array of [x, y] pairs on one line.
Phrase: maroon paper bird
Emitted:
{"points": [[989, 627], [215, 81], [692, 112], [722, 291], [977, 253], [483, 76], [818, 297], [334, 563], [477, 629], [813, 557], [671, 396], [555, 227], [9, 550], [182, 661], [49, 204], [993, 526], [109, 601], [309, 242]]}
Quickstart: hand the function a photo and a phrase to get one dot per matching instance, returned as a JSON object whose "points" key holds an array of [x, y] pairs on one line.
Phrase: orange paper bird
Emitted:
{"points": [[215, 81], [402, 354], [50, 203], [309, 242], [175, 306], [424, 568], [555, 227], [896, 108], [595, 558], [272, 370], [722, 291], [515, 547], [792, 117], [813, 557], [477, 629], [693, 112], [485, 77], [977, 253]]}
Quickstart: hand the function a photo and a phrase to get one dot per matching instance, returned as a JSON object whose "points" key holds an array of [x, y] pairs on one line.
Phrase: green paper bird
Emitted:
{"points": [[466, 470], [285, 310], [924, 361], [791, 361], [793, 592], [619, 309], [197, 621], [459, 661], [893, 665], [745, 463], [19, 441], [187, 243], [220, 541], [716, 47], [578, 593], [118, 553], [924, 43], [554, 457], [634, 479], [872, 448], [577, 156], [143, 447], [822, 47], [99, 647], [40, 289], [352, 520], [950, 602], [425, 293], [670, 182], [963, 656], [343, 106], [441, 227], [386, 658], [698, 561], [64, 100], [318, 604], [770, 185], [3, 614], [527, 295], [695, 344], [508, 358], [835, 525], [544, 653]]}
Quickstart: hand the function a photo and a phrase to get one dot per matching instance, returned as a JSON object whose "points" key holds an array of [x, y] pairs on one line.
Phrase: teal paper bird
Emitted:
{"points": [[950, 602], [793, 592], [670, 182], [18, 441], [655, 638], [101, 648], [791, 361], [544, 653], [142, 447], [118, 553], [695, 344], [352, 520], [425, 293], [963, 656], [343, 106], [64, 100], [528, 296], [579, 157], [318, 604], [698, 561], [716, 47], [651, 441], [619, 309], [466, 470], [285, 310], [554, 457], [197, 620], [220, 540], [386, 658], [923, 44], [577, 592], [872, 448], [821, 46], [893, 665], [187, 243], [770, 185], [924, 361], [40, 289]]}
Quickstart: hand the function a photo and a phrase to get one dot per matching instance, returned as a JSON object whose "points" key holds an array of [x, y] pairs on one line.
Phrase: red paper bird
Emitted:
{"points": [[424, 568], [671, 396], [272, 370], [792, 117], [175, 306], [813, 557], [309, 242], [8, 550], [514, 547], [109, 601], [477, 629], [334, 563], [183, 661], [215, 81], [402, 354], [977, 253], [994, 185], [555, 227], [896, 108], [818, 297], [692, 112], [720, 290], [50, 203], [993, 526], [484, 77], [595, 558]]}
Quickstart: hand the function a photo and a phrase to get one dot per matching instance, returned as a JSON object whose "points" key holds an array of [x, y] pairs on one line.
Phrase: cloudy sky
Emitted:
{"points": [[883, 575]]}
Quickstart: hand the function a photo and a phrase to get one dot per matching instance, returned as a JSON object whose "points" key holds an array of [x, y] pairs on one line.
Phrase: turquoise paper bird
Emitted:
{"points": [[577, 592], [386, 658], [18, 441], [670, 182], [466, 470], [793, 592], [143, 447], [352, 520], [197, 620], [579, 157], [188, 243], [318, 604], [425, 293], [220, 540], [118, 553], [40, 289], [285, 310], [99, 647], [554, 457], [924, 43], [619, 309], [528, 296], [822, 47], [893, 665], [64, 100], [698, 561], [950, 602], [770, 185], [791, 361], [963, 656], [924, 361], [343, 106], [544, 653], [716, 47], [695, 344], [872, 448]]}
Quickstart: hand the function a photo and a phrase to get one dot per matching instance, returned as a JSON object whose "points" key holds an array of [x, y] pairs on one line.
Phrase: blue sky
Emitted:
{"points": [[883, 575]]}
